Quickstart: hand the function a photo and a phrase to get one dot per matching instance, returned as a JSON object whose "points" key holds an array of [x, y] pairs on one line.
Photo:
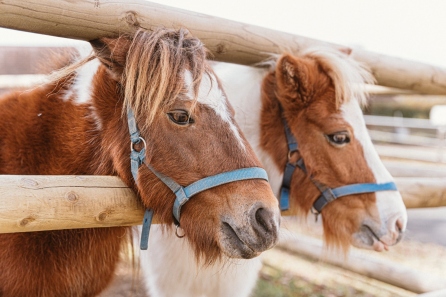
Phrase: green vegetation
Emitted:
{"points": [[276, 283]]}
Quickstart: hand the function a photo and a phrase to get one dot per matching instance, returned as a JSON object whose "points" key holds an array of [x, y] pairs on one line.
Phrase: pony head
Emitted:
{"points": [[319, 94], [189, 134]]}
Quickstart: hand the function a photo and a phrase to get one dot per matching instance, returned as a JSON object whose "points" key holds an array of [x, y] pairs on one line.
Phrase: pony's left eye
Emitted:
{"points": [[180, 117], [339, 138]]}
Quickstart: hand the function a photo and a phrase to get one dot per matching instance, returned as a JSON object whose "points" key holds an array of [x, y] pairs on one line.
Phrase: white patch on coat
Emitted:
{"points": [[82, 88], [211, 95], [389, 203], [169, 268], [83, 83], [243, 85]]}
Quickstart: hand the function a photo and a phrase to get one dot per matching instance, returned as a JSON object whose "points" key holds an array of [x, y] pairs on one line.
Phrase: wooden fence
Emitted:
{"points": [[228, 41]]}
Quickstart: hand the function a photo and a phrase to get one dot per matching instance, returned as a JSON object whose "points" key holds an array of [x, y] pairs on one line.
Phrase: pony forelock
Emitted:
{"points": [[348, 75], [155, 67]]}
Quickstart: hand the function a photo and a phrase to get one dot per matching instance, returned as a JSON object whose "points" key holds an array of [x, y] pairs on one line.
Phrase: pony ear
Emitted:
{"points": [[293, 81], [346, 50], [112, 52]]}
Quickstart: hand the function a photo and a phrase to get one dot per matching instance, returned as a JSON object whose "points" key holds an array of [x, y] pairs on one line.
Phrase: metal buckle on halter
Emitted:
{"points": [[315, 213], [132, 144], [290, 154]]}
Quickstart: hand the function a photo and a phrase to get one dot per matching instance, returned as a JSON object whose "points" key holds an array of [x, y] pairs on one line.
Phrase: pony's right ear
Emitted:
{"points": [[112, 53], [293, 77]]}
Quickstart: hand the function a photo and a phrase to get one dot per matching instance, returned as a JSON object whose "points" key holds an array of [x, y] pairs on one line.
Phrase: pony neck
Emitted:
{"points": [[243, 92]]}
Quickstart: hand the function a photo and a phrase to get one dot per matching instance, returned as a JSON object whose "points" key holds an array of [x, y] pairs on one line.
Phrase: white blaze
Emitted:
{"points": [[211, 95], [242, 85], [389, 203]]}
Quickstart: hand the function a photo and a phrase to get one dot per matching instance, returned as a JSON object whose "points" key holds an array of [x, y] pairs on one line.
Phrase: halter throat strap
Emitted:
{"points": [[182, 194]]}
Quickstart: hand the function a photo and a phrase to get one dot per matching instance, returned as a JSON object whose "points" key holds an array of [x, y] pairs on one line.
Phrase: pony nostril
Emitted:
{"points": [[263, 219], [399, 224]]}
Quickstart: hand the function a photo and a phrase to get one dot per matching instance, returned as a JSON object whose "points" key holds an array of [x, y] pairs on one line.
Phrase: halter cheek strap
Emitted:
{"points": [[137, 158], [182, 194], [327, 194], [284, 200]]}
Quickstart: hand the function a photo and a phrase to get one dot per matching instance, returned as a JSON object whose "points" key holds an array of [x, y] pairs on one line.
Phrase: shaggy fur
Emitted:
{"points": [[315, 89], [49, 131]]}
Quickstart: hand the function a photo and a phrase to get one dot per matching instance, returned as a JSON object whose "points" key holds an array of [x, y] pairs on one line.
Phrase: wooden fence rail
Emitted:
{"points": [[43, 202], [228, 41], [39, 202]]}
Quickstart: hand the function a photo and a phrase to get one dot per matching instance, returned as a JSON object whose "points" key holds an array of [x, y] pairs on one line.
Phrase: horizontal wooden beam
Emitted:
{"points": [[36, 203], [228, 41], [50, 202], [365, 264], [419, 192], [438, 293]]}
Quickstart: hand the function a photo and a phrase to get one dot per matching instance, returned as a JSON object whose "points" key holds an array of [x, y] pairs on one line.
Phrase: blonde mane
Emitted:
{"points": [[155, 67], [349, 76]]}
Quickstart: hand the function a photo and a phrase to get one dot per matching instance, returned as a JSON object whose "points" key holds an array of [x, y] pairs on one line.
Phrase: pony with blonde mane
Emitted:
{"points": [[185, 131], [317, 93]]}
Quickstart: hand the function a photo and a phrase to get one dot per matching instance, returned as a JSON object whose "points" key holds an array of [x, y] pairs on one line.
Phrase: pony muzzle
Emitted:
{"points": [[260, 232], [380, 237]]}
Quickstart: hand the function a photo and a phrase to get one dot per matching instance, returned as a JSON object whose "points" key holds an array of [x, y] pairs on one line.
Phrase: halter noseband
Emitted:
{"points": [[183, 194], [327, 194]]}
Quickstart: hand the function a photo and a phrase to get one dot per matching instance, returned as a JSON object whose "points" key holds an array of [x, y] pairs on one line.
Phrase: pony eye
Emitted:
{"points": [[339, 138], [180, 117]]}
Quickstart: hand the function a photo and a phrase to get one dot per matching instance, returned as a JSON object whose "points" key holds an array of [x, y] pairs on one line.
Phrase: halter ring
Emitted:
{"points": [[133, 143], [176, 231], [314, 211], [290, 154]]}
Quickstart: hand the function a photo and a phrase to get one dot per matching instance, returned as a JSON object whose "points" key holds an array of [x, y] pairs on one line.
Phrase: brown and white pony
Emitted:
{"points": [[319, 93], [77, 125]]}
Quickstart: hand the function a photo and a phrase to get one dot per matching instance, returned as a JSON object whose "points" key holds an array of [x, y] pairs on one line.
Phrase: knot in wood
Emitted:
{"points": [[131, 19], [102, 216], [26, 221], [221, 48], [28, 183], [72, 196]]}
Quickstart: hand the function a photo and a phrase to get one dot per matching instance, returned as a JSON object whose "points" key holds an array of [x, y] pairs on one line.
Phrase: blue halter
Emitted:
{"points": [[327, 194], [183, 194]]}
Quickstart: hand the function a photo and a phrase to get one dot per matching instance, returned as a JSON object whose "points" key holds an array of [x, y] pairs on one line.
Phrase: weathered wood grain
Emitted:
{"points": [[35, 203]]}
